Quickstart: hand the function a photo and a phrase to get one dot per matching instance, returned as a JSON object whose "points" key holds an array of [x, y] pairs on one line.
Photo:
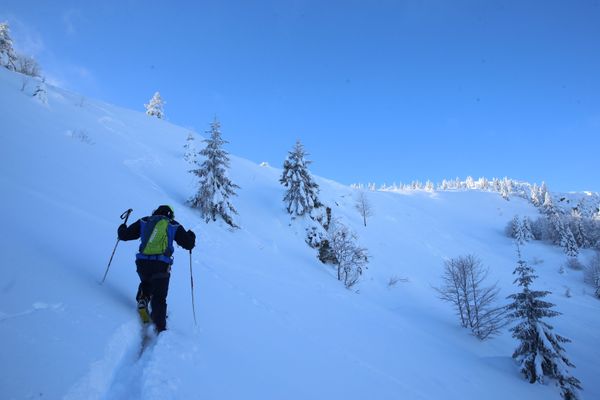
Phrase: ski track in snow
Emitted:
{"points": [[131, 370], [116, 375], [37, 306]]}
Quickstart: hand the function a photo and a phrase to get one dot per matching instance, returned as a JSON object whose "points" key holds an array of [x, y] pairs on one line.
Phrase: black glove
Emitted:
{"points": [[193, 236], [121, 230]]}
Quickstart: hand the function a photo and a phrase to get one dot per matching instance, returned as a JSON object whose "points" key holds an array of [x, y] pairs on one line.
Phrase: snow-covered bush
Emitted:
{"points": [[574, 264], [155, 108], [350, 258], [462, 286], [393, 281]]}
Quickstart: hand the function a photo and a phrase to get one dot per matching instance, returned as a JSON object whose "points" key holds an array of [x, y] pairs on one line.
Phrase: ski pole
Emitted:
{"points": [[124, 216], [192, 282]]}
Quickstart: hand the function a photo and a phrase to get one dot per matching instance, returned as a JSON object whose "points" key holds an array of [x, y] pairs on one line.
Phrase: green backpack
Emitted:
{"points": [[155, 236]]}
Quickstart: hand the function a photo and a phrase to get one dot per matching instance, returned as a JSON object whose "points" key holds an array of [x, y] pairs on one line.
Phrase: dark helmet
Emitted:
{"points": [[165, 210]]}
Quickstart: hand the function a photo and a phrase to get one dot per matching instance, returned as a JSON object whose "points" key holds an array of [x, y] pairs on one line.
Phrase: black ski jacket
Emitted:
{"points": [[186, 239]]}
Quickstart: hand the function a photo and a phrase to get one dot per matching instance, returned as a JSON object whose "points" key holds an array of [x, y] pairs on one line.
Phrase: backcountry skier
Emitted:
{"points": [[157, 233]]}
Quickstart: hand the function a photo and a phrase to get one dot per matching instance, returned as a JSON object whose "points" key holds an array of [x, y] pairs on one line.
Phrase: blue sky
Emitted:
{"points": [[378, 91]]}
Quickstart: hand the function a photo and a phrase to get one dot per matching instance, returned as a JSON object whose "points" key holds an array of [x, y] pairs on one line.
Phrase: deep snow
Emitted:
{"points": [[273, 322]]}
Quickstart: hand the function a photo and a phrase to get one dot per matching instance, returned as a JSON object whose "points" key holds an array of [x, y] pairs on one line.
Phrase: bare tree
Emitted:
{"points": [[350, 259], [363, 205], [28, 66], [462, 286]]}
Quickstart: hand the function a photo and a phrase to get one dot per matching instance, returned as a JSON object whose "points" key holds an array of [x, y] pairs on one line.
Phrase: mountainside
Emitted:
{"points": [[273, 322]]}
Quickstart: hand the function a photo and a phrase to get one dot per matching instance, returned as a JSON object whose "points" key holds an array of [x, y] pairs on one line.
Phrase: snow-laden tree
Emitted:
{"points": [[527, 230], [542, 191], [8, 58], [548, 204], [579, 228], [515, 230], [215, 188], [535, 195], [565, 237], [429, 186], [155, 107], [540, 352], [302, 192]]}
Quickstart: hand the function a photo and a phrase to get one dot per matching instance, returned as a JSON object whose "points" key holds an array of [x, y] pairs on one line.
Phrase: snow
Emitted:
{"points": [[273, 322]]}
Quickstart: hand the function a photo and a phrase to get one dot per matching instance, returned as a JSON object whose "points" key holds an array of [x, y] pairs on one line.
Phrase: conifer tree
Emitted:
{"points": [[302, 192], [527, 231], [8, 58], [155, 107], [517, 230], [548, 205], [540, 352], [535, 195], [215, 189]]}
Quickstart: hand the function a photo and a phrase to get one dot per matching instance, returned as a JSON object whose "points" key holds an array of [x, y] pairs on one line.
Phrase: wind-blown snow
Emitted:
{"points": [[273, 323]]}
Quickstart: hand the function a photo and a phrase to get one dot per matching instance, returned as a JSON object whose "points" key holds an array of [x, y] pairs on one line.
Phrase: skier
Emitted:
{"points": [[154, 260]]}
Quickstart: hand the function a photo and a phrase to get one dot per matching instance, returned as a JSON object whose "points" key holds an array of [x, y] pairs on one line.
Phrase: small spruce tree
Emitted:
{"points": [[215, 189], [540, 352], [302, 192], [527, 231], [155, 107]]}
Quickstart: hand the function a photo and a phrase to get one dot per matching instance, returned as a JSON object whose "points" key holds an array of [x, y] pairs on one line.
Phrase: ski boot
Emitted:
{"points": [[143, 310]]}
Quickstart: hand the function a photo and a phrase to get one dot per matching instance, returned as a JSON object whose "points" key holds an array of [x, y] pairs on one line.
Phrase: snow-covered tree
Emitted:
{"points": [[527, 230], [155, 107], [516, 230], [469, 182], [579, 228], [483, 183], [543, 190], [8, 58], [302, 192], [215, 188], [535, 195], [429, 186], [505, 190], [548, 205], [567, 241], [540, 352]]}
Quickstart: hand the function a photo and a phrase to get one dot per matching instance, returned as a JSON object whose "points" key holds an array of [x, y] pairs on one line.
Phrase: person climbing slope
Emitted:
{"points": [[154, 259]]}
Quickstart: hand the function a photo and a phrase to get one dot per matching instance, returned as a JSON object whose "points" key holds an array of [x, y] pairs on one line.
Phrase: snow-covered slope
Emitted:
{"points": [[273, 323]]}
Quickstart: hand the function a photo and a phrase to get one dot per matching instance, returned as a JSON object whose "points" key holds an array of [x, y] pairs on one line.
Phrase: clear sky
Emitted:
{"points": [[378, 91]]}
